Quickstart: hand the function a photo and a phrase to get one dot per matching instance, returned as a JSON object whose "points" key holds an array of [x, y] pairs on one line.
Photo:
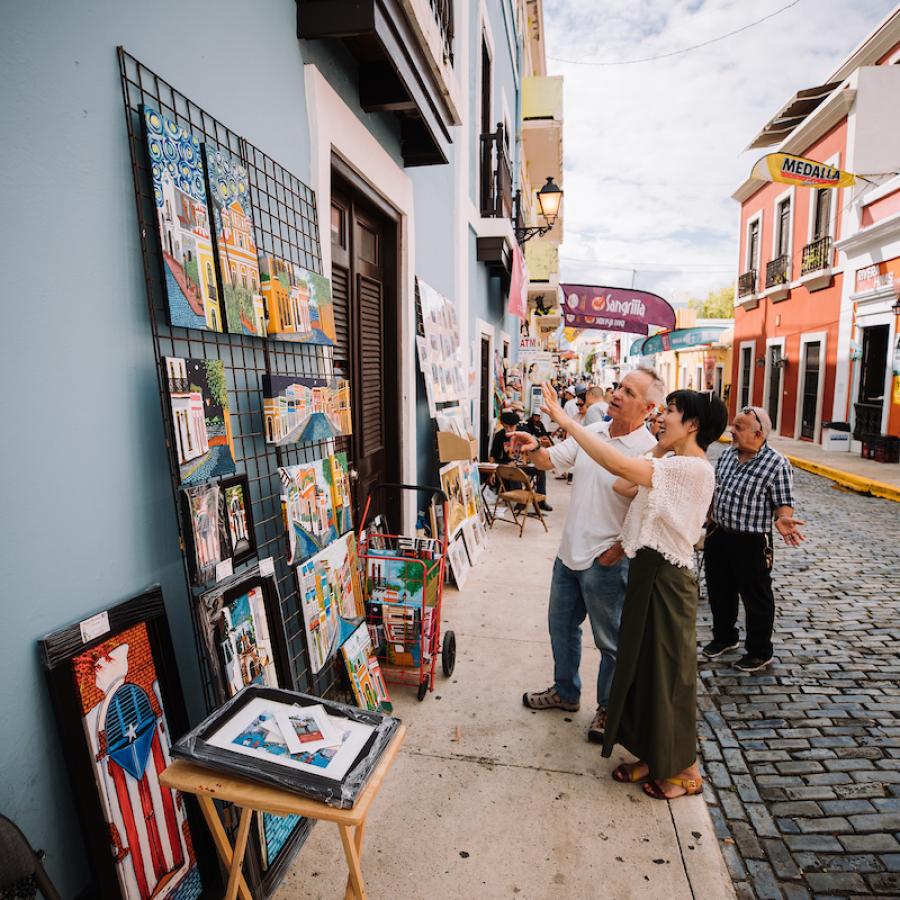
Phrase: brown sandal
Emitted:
{"points": [[690, 786], [625, 773]]}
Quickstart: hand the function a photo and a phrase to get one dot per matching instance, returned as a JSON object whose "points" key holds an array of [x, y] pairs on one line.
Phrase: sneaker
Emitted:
{"points": [[545, 506], [717, 648], [548, 699], [597, 726], [748, 663]]}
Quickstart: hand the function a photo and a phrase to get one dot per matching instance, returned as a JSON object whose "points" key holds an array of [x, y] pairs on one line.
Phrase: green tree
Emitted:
{"points": [[215, 379], [717, 305]]}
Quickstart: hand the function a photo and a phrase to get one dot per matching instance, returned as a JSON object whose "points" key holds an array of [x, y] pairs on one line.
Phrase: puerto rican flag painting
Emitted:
{"points": [[125, 726]]}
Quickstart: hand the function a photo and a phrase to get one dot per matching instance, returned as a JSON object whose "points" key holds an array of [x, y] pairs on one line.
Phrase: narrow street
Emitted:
{"points": [[803, 760]]}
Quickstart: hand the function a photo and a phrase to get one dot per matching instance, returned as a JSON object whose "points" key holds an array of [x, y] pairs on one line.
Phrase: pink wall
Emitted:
{"points": [[881, 209]]}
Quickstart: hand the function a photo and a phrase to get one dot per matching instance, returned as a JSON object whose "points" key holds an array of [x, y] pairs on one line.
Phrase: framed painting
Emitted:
{"points": [[342, 501], [459, 561], [302, 409], [243, 738], [229, 193], [206, 538], [241, 627], [183, 223], [451, 484], [298, 303], [471, 488], [367, 682], [237, 514], [200, 418], [474, 539], [119, 706]]}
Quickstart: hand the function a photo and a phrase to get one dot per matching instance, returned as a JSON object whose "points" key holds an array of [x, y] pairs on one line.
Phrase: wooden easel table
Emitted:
{"points": [[209, 785]]}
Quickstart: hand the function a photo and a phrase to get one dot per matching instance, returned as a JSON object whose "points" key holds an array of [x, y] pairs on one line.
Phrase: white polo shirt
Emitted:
{"points": [[596, 511]]}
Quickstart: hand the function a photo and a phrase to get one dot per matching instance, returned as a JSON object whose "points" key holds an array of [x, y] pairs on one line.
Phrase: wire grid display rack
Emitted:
{"points": [[285, 224]]}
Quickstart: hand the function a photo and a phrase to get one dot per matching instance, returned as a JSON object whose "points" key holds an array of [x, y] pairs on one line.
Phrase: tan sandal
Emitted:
{"points": [[626, 773], [690, 786]]}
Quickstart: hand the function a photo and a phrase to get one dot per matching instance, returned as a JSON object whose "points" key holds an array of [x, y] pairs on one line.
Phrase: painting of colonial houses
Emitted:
{"points": [[201, 419], [340, 493], [206, 537], [288, 316], [319, 600], [368, 684], [236, 514], [229, 191], [305, 409], [308, 508], [244, 642], [182, 214]]}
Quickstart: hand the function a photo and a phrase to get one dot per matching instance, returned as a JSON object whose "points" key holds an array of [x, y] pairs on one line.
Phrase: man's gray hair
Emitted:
{"points": [[764, 421], [656, 389], [595, 393]]}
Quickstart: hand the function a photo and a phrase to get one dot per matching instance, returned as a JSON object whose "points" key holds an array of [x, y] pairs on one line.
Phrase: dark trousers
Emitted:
{"points": [[540, 481], [739, 565]]}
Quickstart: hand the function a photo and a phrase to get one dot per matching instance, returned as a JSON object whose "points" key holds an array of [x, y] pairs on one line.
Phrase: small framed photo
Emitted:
{"points": [[244, 738], [238, 517], [206, 539], [459, 560]]}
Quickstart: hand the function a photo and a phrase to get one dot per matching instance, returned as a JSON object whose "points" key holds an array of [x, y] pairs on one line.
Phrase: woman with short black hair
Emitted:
{"points": [[653, 707]]}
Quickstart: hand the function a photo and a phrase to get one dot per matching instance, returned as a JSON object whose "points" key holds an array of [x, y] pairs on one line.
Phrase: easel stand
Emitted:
{"points": [[208, 785]]}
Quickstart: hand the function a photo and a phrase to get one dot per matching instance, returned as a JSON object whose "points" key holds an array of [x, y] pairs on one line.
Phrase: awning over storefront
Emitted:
{"points": [[679, 339]]}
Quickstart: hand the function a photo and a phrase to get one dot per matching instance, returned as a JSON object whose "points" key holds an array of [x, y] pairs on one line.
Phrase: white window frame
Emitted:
{"points": [[740, 374], [758, 217], [810, 337], [776, 223], [834, 162], [767, 378]]}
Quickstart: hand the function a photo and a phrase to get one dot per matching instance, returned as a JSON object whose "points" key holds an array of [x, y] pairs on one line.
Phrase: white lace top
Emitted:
{"points": [[669, 516]]}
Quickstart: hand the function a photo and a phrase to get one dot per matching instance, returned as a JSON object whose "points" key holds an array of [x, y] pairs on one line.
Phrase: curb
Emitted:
{"points": [[857, 483]]}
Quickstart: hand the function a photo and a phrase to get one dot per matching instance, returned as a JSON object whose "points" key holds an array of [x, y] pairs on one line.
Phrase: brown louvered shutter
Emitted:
{"points": [[371, 388], [340, 292]]}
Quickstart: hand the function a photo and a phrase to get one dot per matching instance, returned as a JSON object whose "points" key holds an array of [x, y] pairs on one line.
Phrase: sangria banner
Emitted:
{"points": [[614, 309]]}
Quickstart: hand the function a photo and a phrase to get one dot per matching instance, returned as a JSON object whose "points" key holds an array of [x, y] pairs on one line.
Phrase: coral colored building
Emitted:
{"points": [[803, 348]]}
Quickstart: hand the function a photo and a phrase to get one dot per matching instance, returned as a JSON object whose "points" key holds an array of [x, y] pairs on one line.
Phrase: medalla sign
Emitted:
{"points": [[798, 170], [615, 309]]}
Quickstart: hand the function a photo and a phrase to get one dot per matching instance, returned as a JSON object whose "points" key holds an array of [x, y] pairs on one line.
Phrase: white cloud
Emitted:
{"points": [[654, 151]]}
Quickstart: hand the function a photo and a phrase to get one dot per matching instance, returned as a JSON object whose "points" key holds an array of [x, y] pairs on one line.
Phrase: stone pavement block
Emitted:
{"points": [[811, 792], [847, 791], [799, 767], [865, 862], [731, 805], [846, 807], [887, 804], [827, 825], [762, 821], [889, 821], [796, 808], [885, 883], [788, 826], [822, 882], [781, 860], [744, 891], [734, 862], [818, 843], [746, 840], [891, 861], [795, 892], [870, 843], [764, 880]]}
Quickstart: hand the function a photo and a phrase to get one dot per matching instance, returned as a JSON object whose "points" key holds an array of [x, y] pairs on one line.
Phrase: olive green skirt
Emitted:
{"points": [[653, 703]]}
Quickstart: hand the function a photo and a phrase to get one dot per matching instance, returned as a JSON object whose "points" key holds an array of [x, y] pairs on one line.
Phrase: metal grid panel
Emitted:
{"points": [[285, 224]]}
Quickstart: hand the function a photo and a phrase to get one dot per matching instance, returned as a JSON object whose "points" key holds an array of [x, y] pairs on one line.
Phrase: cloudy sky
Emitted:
{"points": [[653, 151]]}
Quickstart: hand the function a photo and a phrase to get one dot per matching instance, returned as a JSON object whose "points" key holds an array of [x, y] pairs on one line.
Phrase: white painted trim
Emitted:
{"points": [[334, 128], [740, 373], [870, 321], [834, 202], [773, 342], [747, 266], [810, 337], [789, 196], [481, 330]]}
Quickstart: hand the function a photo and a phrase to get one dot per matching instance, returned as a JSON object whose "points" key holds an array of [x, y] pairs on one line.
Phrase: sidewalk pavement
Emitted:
{"points": [[488, 799], [849, 470]]}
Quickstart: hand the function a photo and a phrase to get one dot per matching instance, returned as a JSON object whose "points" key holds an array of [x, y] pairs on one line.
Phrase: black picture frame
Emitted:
{"points": [[196, 747], [238, 554], [92, 642], [200, 575]]}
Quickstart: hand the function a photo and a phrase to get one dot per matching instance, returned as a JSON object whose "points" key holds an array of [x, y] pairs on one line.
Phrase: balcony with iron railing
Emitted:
{"points": [[816, 256], [777, 271], [443, 15], [747, 284], [496, 194]]}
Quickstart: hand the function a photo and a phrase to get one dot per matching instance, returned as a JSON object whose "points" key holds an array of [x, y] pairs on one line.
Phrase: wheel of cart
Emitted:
{"points": [[404, 589]]}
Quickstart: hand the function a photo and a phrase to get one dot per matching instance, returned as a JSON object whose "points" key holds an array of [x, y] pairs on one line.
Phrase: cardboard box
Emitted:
{"points": [[451, 447]]}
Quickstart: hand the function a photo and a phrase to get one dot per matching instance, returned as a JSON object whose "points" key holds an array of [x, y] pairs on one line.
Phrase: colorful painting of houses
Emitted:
{"points": [[299, 305], [201, 420], [308, 508], [300, 409], [229, 192], [125, 726], [179, 191], [340, 493], [244, 642], [366, 680]]}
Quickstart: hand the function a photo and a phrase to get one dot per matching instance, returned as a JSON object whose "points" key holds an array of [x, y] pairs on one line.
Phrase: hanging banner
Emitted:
{"points": [[797, 170], [681, 339], [518, 286], [614, 309]]}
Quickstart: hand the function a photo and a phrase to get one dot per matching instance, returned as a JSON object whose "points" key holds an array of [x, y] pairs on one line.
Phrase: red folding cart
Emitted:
{"points": [[403, 579]]}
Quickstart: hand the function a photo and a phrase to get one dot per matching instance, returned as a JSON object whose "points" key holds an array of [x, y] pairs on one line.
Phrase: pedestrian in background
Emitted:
{"points": [[595, 408], [754, 491]]}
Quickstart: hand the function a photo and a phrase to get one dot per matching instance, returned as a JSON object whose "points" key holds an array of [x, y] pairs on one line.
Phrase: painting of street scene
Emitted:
{"points": [[298, 302], [308, 507], [242, 634], [451, 484], [237, 516], [201, 420], [397, 579], [340, 493], [206, 538], [229, 192], [182, 215], [303, 409], [320, 601], [368, 683]]}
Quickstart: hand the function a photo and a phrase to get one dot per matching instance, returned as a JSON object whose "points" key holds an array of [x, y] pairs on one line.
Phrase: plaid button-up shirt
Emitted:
{"points": [[747, 494]]}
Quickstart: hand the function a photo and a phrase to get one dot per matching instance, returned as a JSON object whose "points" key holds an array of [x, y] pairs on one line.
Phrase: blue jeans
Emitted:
{"points": [[599, 594]]}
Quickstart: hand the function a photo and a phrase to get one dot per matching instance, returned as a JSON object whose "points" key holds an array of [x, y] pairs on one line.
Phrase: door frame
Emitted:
{"points": [[773, 342], [810, 337], [870, 321], [740, 374], [483, 330], [336, 131]]}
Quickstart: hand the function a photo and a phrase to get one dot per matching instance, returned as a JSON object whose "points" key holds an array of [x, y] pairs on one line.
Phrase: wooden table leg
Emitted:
{"points": [[351, 852], [240, 848], [357, 840], [223, 845]]}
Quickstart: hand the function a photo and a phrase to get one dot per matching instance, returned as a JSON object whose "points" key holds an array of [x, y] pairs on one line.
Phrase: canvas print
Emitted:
{"points": [[366, 680], [244, 645], [125, 727], [340, 493], [451, 484], [459, 561], [183, 220], [201, 419], [207, 542], [443, 357], [238, 517], [299, 306], [474, 544], [300, 409], [470, 488], [229, 193]]}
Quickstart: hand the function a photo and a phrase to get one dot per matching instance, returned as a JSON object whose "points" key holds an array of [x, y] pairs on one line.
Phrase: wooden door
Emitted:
{"points": [[364, 285], [810, 391], [485, 400], [774, 398]]}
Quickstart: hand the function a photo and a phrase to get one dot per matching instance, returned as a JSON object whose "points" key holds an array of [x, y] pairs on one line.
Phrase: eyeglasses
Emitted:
{"points": [[749, 410]]}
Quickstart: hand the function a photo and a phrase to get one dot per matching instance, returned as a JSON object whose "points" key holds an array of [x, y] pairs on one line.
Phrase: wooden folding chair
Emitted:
{"points": [[516, 489]]}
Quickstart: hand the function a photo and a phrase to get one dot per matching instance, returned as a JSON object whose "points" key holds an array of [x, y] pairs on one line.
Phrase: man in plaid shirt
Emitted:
{"points": [[754, 491]]}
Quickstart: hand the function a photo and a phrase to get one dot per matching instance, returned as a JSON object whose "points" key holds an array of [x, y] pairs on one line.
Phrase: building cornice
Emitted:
{"points": [[871, 234]]}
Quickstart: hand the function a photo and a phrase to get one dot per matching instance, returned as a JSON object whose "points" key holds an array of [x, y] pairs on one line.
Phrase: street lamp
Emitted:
{"points": [[548, 198]]}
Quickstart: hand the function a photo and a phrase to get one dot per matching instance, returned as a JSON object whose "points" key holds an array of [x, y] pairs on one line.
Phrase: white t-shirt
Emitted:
{"points": [[596, 511], [595, 412], [669, 516], [571, 409]]}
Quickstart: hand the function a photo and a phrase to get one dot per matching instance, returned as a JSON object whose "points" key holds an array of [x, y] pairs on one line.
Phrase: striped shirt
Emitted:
{"points": [[748, 493]]}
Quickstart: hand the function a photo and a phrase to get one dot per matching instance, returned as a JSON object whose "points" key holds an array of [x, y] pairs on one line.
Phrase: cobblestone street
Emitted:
{"points": [[803, 760]]}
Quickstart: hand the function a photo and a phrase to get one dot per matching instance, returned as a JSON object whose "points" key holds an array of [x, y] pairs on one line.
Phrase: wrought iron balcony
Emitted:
{"points": [[816, 256], [443, 14], [747, 283], [868, 419], [496, 176], [777, 271]]}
